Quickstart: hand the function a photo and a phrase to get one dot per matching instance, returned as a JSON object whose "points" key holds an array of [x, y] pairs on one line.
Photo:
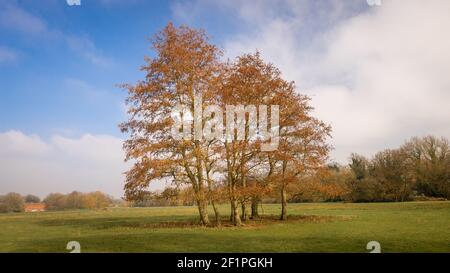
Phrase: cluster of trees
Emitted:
{"points": [[186, 65], [419, 169], [77, 200]]}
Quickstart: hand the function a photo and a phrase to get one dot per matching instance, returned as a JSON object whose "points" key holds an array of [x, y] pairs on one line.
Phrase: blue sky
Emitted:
{"points": [[65, 61], [64, 73], [377, 74]]}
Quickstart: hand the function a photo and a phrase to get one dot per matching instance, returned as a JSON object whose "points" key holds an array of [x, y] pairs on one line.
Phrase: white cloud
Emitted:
{"points": [[28, 164], [379, 75], [16, 143], [100, 148]]}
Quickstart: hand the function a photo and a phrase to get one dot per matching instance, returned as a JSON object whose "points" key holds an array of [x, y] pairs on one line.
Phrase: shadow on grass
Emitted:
{"points": [[114, 222]]}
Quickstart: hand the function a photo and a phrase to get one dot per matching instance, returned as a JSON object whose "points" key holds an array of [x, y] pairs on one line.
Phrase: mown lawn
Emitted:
{"points": [[319, 227]]}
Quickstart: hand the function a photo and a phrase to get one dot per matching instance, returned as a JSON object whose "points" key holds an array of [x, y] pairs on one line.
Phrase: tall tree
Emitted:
{"points": [[251, 84], [301, 141], [303, 144], [185, 65]]}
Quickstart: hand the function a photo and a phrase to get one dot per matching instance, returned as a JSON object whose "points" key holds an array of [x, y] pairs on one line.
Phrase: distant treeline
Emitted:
{"points": [[77, 200], [418, 170], [14, 202]]}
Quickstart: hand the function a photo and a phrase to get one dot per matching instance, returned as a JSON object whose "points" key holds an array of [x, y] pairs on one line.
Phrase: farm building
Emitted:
{"points": [[34, 207]]}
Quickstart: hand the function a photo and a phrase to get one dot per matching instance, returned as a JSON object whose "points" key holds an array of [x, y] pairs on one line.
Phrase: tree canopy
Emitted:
{"points": [[187, 73]]}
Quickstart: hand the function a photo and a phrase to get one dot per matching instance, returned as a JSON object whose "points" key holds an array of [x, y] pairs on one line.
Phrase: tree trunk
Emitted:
{"points": [[255, 213], [236, 216], [203, 211], [283, 203], [202, 204], [243, 204], [244, 211], [211, 198], [231, 211], [216, 213]]}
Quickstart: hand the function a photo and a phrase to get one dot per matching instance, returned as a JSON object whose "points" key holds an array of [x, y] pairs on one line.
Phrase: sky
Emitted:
{"points": [[378, 75]]}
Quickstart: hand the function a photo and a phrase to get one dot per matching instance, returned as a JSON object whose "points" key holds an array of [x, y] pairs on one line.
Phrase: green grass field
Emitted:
{"points": [[320, 227]]}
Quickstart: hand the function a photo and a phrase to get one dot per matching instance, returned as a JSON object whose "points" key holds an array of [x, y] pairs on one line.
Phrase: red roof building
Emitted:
{"points": [[34, 207]]}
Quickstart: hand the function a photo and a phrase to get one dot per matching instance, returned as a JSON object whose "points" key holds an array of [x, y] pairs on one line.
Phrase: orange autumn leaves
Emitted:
{"points": [[186, 64]]}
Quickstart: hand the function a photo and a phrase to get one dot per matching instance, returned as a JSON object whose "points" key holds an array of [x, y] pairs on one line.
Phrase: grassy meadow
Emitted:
{"points": [[316, 227]]}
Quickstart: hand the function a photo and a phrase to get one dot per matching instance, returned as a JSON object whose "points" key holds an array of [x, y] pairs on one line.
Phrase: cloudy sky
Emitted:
{"points": [[378, 74]]}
